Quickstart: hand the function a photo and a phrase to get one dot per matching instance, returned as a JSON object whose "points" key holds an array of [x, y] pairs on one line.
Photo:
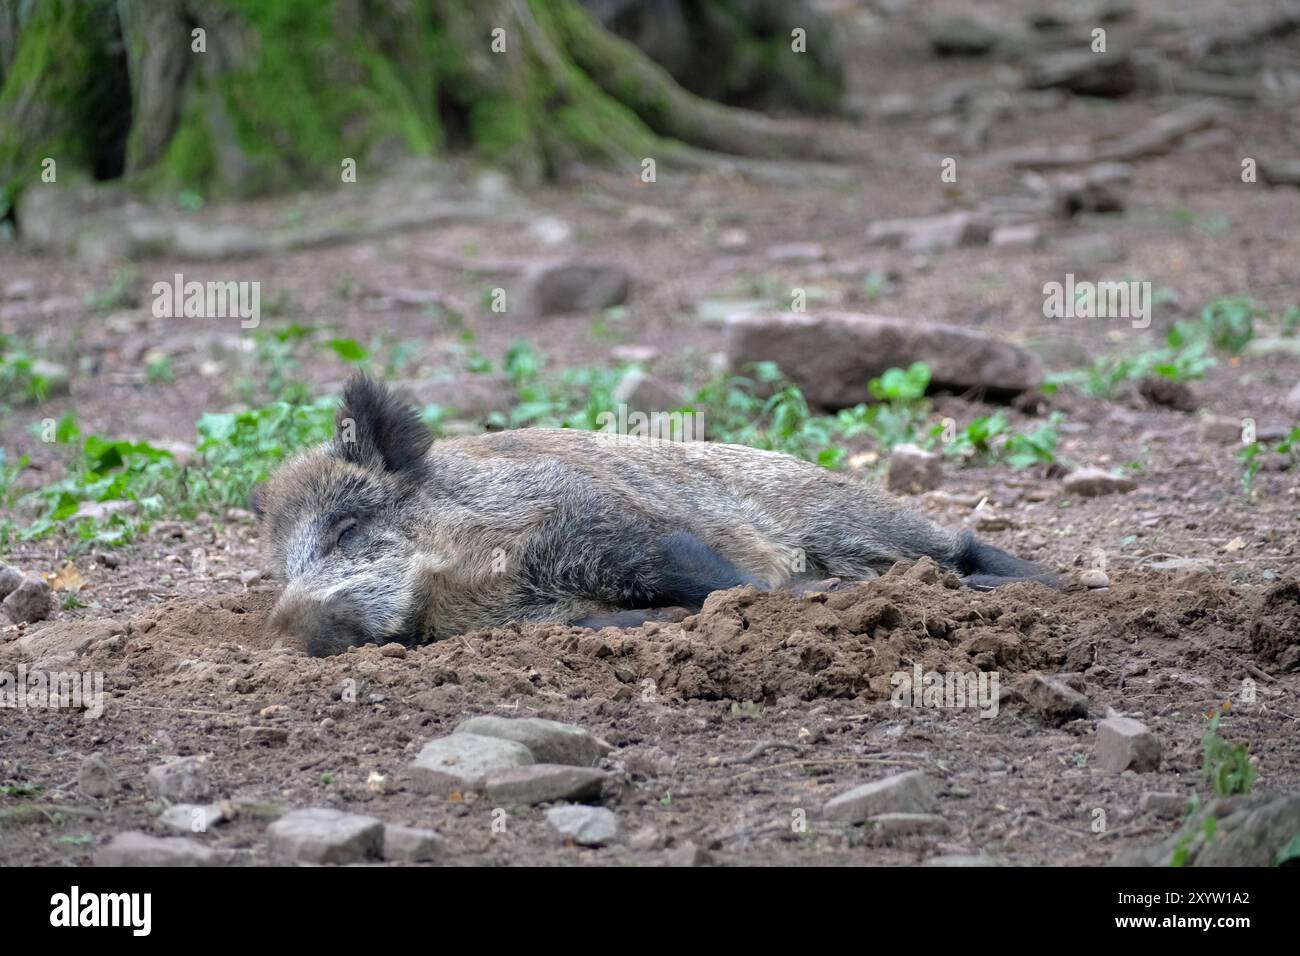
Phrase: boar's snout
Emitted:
{"points": [[321, 626]]}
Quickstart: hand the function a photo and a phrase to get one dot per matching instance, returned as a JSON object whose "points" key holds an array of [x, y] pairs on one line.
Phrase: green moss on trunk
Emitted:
{"points": [[53, 103]]}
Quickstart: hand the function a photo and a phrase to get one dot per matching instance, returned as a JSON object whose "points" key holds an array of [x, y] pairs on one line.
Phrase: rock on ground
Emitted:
{"points": [[324, 835], [902, 793], [95, 778], [586, 826], [140, 849], [462, 761], [62, 637], [1054, 699], [1089, 482], [10, 578], [544, 783], [410, 845], [833, 355], [558, 288], [549, 741], [1126, 744], [32, 600], [192, 818], [931, 233], [183, 780]]}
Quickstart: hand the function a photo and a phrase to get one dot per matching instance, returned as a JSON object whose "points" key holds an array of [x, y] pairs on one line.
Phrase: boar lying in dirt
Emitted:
{"points": [[384, 535]]}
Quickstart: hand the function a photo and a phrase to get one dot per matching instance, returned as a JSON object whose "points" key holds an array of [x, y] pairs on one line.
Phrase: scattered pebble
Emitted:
{"points": [[410, 845], [461, 762], [141, 849], [1126, 744], [95, 778], [544, 783], [192, 818], [324, 835], [1054, 699], [549, 741], [32, 600], [902, 793], [585, 826], [1090, 482], [1165, 805], [180, 780], [1094, 578]]}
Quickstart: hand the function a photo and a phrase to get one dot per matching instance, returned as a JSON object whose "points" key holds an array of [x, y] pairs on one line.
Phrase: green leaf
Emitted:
{"points": [[348, 349]]}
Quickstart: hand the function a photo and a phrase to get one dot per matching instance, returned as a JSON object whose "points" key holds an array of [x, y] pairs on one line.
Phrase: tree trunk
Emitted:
{"points": [[245, 97]]}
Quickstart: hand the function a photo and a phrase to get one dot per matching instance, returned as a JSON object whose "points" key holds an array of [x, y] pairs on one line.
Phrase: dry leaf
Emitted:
{"points": [[67, 578]]}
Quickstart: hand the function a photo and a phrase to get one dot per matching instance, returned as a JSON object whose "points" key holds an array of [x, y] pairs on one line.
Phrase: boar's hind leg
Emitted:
{"points": [[984, 567]]}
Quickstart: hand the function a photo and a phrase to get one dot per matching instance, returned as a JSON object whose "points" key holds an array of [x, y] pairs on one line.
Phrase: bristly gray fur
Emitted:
{"points": [[390, 536]]}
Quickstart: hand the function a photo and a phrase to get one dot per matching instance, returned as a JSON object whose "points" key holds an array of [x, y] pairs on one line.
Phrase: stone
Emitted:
{"points": [[1219, 430], [134, 848], [913, 470], [931, 233], [720, 311], [551, 231], [192, 817], [549, 741], [544, 783], [585, 826], [180, 780], [1094, 578], [687, 854], [32, 600], [908, 792], [10, 578], [1052, 698], [566, 287], [461, 762], [733, 240], [1089, 482], [833, 356], [95, 778], [907, 824], [325, 835], [410, 845], [1026, 236], [1126, 744], [1166, 393], [1164, 804], [1085, 73]]}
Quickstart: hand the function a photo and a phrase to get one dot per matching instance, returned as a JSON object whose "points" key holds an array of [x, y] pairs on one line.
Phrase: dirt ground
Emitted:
{"points": [[725, 725]]}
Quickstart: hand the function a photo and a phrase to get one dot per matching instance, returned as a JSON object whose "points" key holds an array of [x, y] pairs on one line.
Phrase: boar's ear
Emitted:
{"points": [[376, 428]]}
